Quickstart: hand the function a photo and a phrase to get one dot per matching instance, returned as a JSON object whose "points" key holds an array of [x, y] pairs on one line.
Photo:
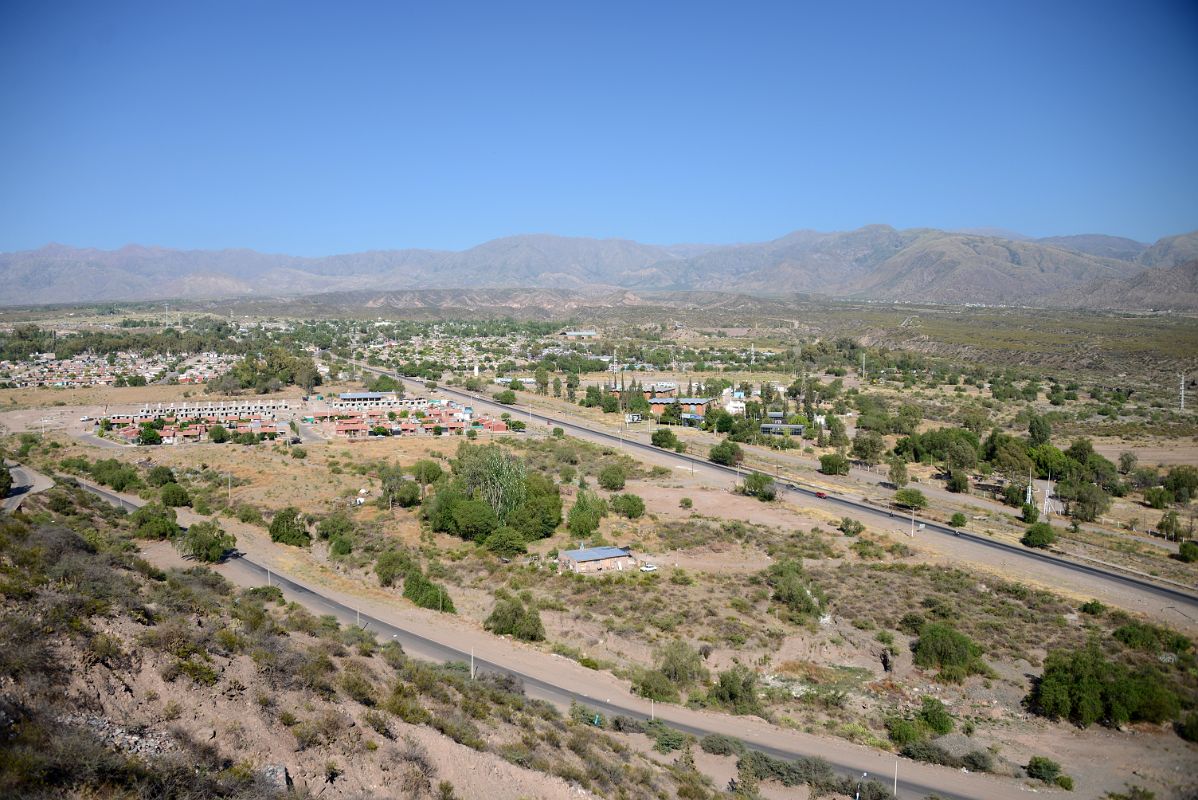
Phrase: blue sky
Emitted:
{"points": [[315, 128]]}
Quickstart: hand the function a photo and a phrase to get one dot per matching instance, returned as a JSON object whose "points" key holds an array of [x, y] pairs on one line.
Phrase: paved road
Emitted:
{"points": [[1149, 596], [915, 779], [24, 483]]}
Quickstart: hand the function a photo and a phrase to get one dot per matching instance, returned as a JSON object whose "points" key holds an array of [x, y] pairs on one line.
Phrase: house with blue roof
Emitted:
{"points": [[596, 559]]}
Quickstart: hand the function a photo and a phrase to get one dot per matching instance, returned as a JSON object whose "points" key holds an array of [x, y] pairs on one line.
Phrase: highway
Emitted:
{"points": [[1175, 595], [942, 782]]}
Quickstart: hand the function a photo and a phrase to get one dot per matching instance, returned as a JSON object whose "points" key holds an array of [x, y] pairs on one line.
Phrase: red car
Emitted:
{"points": [[822, 495]]}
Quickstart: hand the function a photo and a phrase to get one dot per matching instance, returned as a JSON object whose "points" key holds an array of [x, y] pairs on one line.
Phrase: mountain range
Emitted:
{"points": [[876, 263]]}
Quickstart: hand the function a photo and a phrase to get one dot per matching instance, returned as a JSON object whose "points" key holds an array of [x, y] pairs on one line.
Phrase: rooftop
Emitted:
{"points": [[596, 553], [365, 395]]}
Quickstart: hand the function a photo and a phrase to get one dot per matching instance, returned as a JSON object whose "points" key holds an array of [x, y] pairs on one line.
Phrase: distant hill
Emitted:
{"points": [[1159, 288], [1171, 251], [1096, 244], [876, 262]]}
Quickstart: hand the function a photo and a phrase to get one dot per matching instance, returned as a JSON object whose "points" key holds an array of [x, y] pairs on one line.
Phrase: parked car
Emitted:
{"points": [[648, 568]]}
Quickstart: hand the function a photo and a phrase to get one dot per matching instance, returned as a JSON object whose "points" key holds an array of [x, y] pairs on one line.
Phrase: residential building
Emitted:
{"points": [[597, 559]]}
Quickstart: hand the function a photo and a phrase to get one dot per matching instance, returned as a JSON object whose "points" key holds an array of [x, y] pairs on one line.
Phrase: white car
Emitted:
{"points": [[648, 568]]}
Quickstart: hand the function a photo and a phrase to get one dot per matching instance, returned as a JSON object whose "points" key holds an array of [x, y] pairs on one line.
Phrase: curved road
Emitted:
{"points": [[1173, 595], [24, 483], [929, 780]]}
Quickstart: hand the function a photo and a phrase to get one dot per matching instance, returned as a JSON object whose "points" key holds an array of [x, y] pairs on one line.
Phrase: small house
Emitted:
{"points": [[596, 559]]}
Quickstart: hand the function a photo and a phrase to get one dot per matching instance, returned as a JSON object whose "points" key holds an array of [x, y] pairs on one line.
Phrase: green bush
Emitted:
{"points": [[612, 478], [655, 685], [391, 565], [958, 520], [288, 528], [1042, 768], [1040, 535], [720, 745], [1084, 687], [664, 438], [1093, 608], [174, 495], [505, 542], [727, 453], [941, 646], [205, 541], [1188, 727], [903, 731], [760, 485], [1065, 782], [1188, 552], [628, 505], [154, 521], [736, 690], [935, 716], [910, 499], [511, 617], [833, 464], [426, 594], [1150, 638]]}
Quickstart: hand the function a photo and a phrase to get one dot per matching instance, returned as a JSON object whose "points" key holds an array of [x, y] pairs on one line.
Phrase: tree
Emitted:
{"points": [[1170, 525], [957, 482], [426, 471], [174, 495], [1030, 513], [628, 505], [557, 386], [760, 485], [586, 513], [898, 476], [868, 446], [612, 478], [960, 455], [160, 476], [505, 542], [1041, 535], [391, 565], [5, 480], [837, 436], [288, 528], [511, 617], [154, 521], [1089, 502], [736, 690], [205, 541], [833, 464], [958, 520], [1039, 431], [1127, 462], [945, 648], [474, 519], [148, 435], [1158, 497], [910, 498], [219, 434], [541, 376], [681, 664], [493, 475], [727, 452], [507, 397], [1187, 552], [664, 438]]}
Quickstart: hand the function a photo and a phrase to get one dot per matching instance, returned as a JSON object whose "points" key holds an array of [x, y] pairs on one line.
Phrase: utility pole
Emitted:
{"points": [[863, 367], [1182, 377]]}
